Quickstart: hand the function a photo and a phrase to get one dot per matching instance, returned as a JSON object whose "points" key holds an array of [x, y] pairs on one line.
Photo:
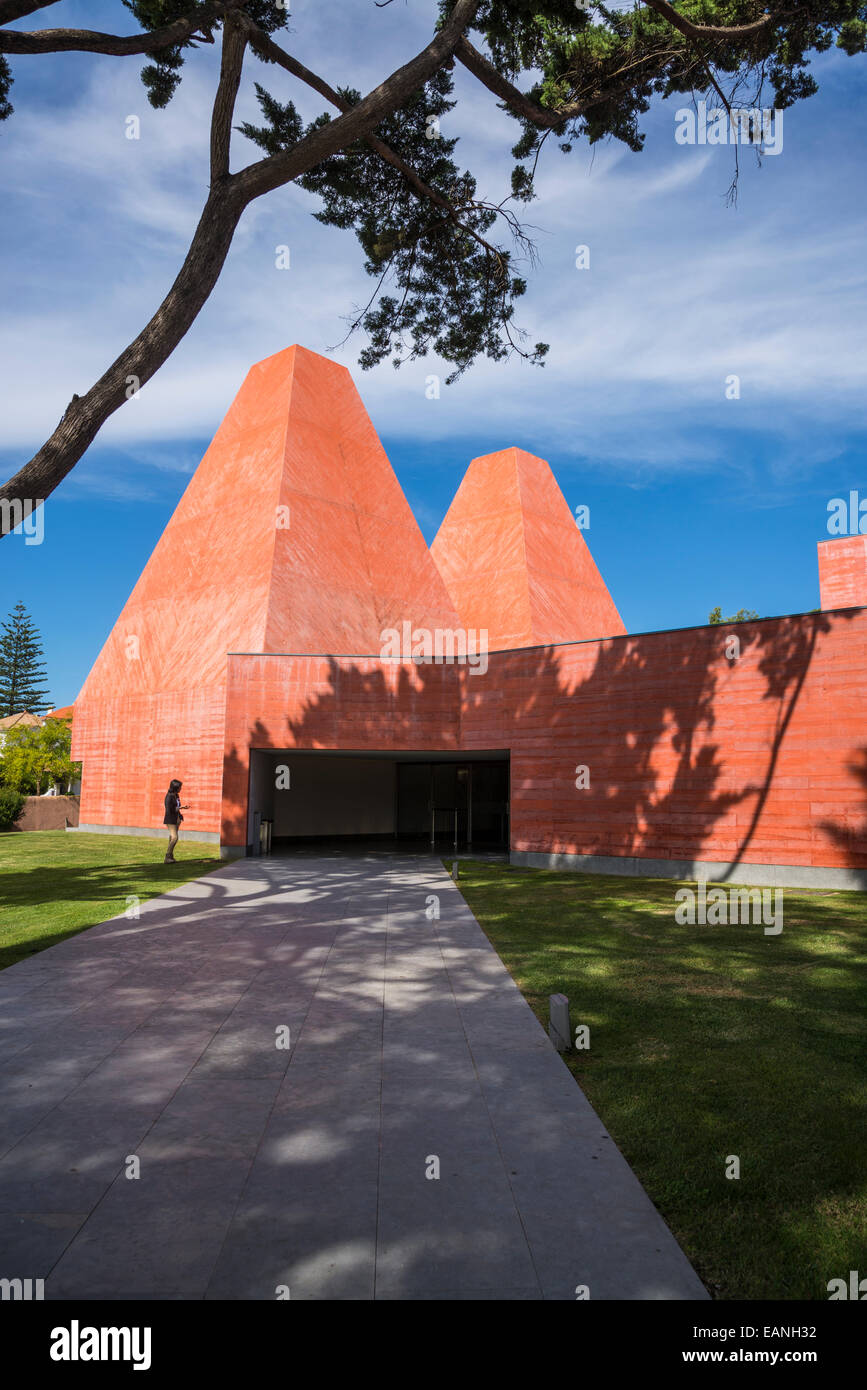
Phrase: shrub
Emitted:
{"points": [[11, 806]]}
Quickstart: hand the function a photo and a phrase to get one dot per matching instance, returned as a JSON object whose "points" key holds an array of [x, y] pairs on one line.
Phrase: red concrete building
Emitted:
{"points": [[265, 657]]}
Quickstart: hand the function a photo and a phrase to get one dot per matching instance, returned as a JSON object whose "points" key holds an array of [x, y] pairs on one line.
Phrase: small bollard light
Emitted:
{"points": [[559, 1028], [455, 871]]}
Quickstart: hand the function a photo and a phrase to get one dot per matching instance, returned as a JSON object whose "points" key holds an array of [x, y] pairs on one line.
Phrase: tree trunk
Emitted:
{"points": [[86, 414]]}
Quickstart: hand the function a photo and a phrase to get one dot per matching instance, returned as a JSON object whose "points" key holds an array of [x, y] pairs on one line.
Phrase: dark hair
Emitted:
{"points": [[175, 785]]}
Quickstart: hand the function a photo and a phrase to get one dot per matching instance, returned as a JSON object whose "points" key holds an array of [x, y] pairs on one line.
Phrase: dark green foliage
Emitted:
{"points": [[162, 76], [743, 615], [853, 36], [455, 287], [6, 108], [615, 62], [11, 806], [21, 668], [283, 126]]}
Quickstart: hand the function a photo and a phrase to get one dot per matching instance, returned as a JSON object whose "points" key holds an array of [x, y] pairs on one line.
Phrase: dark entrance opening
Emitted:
{"points": [[439, 802], [454, 805]]}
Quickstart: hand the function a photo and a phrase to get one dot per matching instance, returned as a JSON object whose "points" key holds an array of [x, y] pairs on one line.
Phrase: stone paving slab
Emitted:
{"points": [[284, 1050]]}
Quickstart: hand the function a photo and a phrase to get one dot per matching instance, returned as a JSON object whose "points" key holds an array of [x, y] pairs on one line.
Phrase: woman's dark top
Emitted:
{"points": [[173, 809]]}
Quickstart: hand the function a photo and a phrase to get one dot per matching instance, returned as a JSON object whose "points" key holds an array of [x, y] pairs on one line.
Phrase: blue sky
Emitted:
{"points": [[695, 499]]}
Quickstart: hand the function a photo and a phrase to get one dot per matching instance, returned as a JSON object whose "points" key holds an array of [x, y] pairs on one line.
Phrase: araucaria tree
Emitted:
{"points": [[22, 670], [444, 255]]}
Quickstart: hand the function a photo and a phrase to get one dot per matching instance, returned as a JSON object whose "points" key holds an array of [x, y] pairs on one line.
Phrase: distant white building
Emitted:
{"points": [[22, 720]]}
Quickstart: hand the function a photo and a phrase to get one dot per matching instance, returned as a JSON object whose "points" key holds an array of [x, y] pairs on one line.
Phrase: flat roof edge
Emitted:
{"points": [[573, 642]]}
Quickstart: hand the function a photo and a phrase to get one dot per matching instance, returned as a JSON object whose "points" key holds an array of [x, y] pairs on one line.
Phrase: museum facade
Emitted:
{"points": [[298, 656]]}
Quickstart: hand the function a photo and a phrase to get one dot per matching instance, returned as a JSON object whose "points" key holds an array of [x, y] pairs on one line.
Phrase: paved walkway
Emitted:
{"points": [[305, 1167]]}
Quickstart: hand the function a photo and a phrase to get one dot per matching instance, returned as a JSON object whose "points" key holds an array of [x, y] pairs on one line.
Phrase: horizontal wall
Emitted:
{"points": [[130, 749], [48, 813], [713, 871], [691, 748], [743, 744], [737, 744]]}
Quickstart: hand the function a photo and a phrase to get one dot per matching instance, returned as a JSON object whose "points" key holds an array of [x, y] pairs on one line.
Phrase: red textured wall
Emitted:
{"points": [[843, 572], [690, 755], [132, 746]]}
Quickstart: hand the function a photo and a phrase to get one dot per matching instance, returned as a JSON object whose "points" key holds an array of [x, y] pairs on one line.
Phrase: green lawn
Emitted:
{"points": [[53, 884], [707, 1042]]}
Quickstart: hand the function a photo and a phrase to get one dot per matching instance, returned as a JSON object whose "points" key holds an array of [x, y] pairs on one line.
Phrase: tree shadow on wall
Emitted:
{"points": [[660, 782], [852, 838], [236, 771]]}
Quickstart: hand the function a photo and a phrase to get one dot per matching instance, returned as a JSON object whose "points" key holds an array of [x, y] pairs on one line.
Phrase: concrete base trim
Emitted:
{"points": [[208, 837], [760, 875]]}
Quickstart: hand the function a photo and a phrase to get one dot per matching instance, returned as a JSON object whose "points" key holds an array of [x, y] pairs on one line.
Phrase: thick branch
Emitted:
{"points": [[117, 45], [551, 117], [85, 415], [11, 10], [266, 47], [231, 62], [523, 105], [360, 120], [708, 31]]}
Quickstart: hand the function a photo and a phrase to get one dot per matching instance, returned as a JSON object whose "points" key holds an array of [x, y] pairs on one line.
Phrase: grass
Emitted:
{"points": [[707, 1042], [53, 884]]}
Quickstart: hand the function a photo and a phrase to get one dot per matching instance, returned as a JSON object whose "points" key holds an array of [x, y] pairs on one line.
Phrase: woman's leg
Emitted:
{"points": [[173, 840]]}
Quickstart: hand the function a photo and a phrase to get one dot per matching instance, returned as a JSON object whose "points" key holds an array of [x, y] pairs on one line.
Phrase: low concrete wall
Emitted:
{"points": [[757, 875], [48, 813], [209, 837]]}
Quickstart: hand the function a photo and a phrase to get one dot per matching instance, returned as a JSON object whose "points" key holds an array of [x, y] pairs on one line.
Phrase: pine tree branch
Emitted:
{"points": [[263, 45], [360, 120], [709, 31], [116, 45], [85, 415], [542, 116], [551, 117], [231, 62]]}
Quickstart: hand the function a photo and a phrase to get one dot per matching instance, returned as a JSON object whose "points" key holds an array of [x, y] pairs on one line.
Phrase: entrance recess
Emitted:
{"points": [[435, 801], [454, 804]]}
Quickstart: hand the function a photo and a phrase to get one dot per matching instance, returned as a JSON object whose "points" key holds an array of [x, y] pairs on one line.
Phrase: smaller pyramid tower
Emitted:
{"points": [[514, 560]]}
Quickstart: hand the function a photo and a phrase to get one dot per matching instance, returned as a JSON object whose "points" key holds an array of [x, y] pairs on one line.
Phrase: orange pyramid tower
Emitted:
{"points": [[293, 535], [514, 560]]}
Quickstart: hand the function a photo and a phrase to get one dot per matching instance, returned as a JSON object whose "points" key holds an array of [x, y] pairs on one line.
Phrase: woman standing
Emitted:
{"points": [[173, 817]]}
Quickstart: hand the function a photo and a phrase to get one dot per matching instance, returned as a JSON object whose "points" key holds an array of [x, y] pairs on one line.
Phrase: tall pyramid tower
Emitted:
{"points": [[515, 562], [293, 535]]}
